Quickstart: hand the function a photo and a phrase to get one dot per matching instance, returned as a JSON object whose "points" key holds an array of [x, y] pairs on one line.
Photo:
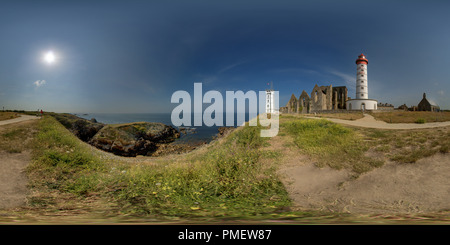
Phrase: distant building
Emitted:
{"points": [[304, 103], [323, 98], [270, 101], [403, 107], [426, 105], [385, 107], [292, 104]]}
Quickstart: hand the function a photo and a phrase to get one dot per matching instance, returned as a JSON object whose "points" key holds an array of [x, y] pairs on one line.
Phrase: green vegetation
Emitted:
{"points": [[331, 144], [226, 180], [351, 115], [17, 139], [8, 115], [408, 146], [233, 178], [60, 161], [412, 116], [421, 120]]}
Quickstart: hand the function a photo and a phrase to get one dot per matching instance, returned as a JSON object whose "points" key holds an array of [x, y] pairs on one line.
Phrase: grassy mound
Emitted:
{"points": [[330, 144], [226, 180]]}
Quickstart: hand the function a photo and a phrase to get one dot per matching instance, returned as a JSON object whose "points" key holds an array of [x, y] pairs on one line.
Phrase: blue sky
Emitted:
{"points": [[130, 56]]}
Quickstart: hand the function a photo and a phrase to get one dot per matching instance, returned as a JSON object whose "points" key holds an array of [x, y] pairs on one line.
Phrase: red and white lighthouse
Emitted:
{"points": [[361, 101], [362, 90]]}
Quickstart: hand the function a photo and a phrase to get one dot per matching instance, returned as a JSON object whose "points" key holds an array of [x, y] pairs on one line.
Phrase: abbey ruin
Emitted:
{"points": [[323, 98]]}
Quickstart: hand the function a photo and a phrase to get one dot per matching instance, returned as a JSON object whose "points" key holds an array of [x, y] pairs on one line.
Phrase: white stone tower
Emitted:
{"points": [[270, 101], [362, 90], [361, 101]]}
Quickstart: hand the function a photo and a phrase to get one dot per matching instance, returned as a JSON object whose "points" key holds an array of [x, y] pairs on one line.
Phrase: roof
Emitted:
{"points": [[362, 59]]}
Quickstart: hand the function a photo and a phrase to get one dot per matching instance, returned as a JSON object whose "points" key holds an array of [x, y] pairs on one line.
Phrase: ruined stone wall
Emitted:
{"points": [[340, 95], [323, 98]]}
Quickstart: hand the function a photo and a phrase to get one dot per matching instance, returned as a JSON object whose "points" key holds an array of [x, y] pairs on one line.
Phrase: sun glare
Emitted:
{"points": [[49, 57]]}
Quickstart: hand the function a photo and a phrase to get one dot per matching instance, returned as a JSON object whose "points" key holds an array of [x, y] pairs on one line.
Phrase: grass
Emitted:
{"points": [[412, 116], [227, 180], [420, 120], [407, 146], [231, 179], [17, 139], [344, 116], [331, 144], [8, 115], [362, 150], [60, 160]]}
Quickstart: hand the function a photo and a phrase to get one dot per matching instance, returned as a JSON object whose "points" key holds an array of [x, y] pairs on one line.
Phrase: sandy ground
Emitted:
{"points": [[421, 187], [13, 181], [13, 190], [369, 121], [18, 119]]}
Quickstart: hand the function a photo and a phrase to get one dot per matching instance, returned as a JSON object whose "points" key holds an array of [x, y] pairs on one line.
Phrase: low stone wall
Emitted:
{"points": [[389, 108], [327, 112]]}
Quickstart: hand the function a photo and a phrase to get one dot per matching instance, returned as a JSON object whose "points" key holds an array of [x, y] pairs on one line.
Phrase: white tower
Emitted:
{"points": [[361, 101], [270, 101], [362, 90]]}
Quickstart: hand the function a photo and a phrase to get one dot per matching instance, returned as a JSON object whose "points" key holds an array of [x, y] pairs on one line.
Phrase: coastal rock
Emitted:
{"points": [[187, 130], [131, 139], [82, 128], [224, 131], [85, 129]]}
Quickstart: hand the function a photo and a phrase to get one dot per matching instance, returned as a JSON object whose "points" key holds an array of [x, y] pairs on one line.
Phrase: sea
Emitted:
{"points": [[202, 133]]}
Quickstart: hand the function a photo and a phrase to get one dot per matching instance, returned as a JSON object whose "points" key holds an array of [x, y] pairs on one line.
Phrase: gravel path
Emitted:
{"points": [[369, 121], [13, 180], [18, 119]]}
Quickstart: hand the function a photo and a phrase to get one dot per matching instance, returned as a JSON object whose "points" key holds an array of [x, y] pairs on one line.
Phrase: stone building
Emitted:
{"points": [[340, 96], [426, 105], [304, 103], [403, 107], [323, 98], [292, 104]]}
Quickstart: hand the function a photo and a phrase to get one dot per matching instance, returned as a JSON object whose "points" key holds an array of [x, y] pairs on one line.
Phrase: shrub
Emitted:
{"points": [[420, 120]]}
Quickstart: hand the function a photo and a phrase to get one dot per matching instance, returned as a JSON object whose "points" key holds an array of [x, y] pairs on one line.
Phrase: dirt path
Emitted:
{"points": [[18, 119], [422, 187], [13, 190], [13, 181], [369, 121]]}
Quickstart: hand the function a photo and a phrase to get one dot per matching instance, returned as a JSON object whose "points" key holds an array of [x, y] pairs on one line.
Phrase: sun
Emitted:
{"points": [[49, 57]]}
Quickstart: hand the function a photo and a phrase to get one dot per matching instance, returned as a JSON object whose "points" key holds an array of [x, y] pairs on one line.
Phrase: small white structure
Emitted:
{"points": [[362, 101], [270, 101]]}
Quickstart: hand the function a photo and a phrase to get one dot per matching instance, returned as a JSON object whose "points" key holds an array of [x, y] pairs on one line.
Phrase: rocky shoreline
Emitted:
{"points": [[132, 139]]}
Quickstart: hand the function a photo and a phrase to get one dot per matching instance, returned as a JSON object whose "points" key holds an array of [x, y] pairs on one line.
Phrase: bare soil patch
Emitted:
{"points": [[14, 159], [395, 188]]}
